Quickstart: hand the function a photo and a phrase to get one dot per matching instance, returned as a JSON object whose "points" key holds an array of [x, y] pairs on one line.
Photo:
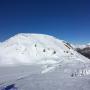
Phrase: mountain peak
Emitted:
{"points": [[28, 35], [37, 49]]}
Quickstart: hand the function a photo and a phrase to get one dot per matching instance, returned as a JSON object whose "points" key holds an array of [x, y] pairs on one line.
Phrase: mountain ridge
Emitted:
{"points": [[30, 48], [37, 54], [83, 49]]}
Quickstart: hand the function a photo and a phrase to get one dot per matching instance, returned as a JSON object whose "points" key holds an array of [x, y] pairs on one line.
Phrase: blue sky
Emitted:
{"points": [[65, 19]]}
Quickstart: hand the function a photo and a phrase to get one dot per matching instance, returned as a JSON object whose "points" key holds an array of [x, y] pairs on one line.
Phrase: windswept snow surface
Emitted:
{"points": [[42, 62]]}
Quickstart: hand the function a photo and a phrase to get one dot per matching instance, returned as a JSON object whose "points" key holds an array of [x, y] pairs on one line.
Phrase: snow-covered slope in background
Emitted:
{"points": [[81, 46], [83, 49], [36, 49]]}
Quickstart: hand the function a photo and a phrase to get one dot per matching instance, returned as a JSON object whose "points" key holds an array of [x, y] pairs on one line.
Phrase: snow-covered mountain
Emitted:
{"points": [[83, 49], [37, 49], [81, 46], [42, 62]]}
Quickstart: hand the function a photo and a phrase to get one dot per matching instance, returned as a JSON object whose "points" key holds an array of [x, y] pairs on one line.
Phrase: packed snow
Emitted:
{"points": [[42, 62]]}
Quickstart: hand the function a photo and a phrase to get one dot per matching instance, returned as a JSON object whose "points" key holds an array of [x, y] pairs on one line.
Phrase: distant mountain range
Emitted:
{"points": [[83, 49]]}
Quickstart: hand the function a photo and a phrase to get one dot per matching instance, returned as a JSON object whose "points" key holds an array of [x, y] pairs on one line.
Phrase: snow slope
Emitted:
{"points": [[42, 62], [40, 49], [36, 49]]}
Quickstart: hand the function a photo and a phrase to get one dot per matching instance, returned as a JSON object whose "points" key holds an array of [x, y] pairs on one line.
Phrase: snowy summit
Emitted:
{"points": [[40, 62], [37, 49]]}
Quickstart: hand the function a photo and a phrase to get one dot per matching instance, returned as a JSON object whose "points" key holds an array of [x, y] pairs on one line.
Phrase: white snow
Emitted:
{"points": [[42, 62], [31, 49], [81, 46], [36, 49]]}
